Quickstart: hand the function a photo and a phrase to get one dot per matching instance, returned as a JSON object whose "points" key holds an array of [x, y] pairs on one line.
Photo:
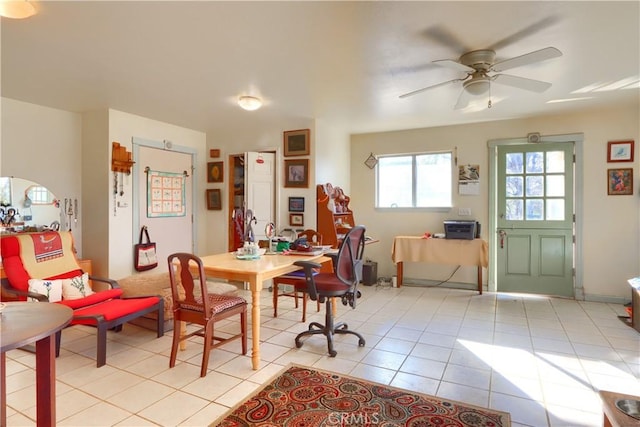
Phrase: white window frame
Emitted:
{"points": [[414, 181]]}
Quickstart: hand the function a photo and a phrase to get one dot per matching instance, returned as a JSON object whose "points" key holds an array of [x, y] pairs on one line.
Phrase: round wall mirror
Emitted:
{"points": [[27, 206]]}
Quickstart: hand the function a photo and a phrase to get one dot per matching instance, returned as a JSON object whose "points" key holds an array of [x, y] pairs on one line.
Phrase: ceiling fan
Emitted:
{"points": [[480, 66]]}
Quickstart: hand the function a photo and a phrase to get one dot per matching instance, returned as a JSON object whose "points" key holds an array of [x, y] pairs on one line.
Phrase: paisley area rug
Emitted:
{"points": [[302, 396]]}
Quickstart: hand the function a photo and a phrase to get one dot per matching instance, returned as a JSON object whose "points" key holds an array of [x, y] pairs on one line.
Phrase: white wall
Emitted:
{"points": [[611, 232], [333, 156], [44, 145]]}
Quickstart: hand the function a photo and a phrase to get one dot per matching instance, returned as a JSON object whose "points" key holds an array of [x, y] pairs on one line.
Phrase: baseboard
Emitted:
{"points": [[407, 281]]}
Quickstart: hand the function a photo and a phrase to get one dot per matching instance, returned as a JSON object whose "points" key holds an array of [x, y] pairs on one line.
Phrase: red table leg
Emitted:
{"points": [[3, 389], [46, 381]]}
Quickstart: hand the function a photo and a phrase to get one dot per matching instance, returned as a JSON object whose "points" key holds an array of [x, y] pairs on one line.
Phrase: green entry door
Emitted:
{"points": [[535, 219]]}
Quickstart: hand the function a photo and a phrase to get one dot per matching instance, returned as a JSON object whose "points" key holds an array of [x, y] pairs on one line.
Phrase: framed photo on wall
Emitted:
{"points": [[620, 151], [214, 199], [296, 142], [296, 204], [215, 172], [296, 173], [620, 182], [296, 220]]}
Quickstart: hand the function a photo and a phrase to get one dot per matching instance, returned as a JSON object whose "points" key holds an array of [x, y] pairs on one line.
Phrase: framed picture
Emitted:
{"points": [[619, 182], [215, 171], [296, 173], [296, 142], [296, 204], [296, 220], [214, 200], [620, 151]]}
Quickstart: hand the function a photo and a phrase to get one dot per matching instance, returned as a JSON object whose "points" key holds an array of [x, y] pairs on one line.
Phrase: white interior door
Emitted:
{"points": [[172, 233], [260, 176]]}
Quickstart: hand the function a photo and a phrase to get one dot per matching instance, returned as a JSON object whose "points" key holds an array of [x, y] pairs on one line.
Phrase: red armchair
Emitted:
{"points": [[43, 267]]}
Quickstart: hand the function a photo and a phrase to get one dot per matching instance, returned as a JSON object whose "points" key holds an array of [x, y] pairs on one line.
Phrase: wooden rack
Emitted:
{"points": [[121, 159]]}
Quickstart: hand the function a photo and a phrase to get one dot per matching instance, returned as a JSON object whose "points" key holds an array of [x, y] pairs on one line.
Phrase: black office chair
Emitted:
{"points": [[342, 283]]}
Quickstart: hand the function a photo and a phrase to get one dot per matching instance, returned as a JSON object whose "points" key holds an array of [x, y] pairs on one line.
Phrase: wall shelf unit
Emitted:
{"points": [[335, 218]]}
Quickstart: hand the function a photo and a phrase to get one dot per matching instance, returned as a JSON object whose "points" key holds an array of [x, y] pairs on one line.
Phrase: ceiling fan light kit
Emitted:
{"points": [[477, 86]]}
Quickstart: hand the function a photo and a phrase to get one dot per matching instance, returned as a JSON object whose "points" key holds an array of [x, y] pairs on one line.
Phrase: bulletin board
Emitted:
{"points": [[165, 194]]}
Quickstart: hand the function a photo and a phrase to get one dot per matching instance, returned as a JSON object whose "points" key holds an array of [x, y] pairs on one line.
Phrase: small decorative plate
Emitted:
{"points": [[371, 161], [629, 407]]}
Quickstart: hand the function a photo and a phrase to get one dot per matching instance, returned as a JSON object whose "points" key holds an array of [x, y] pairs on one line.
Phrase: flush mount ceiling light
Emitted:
{"points": [[249, 103], [17, 9]]}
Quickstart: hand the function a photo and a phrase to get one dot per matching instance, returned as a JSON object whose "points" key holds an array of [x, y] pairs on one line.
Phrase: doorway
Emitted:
{"points": [[172, 229], [533, 215], [252, 196]]}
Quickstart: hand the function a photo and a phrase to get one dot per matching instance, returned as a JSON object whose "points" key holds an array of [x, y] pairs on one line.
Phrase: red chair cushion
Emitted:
{"points": [[328, 284], [92, 299], [112, 309]]}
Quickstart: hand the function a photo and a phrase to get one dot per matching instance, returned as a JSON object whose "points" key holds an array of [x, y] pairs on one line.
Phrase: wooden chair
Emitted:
{"points": [[189, 306], [296, 279], [342, 283]]}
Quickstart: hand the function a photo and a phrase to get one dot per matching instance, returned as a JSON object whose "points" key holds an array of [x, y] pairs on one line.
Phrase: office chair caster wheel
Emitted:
{"points": [[361, 343], [359, 294], [333, 353], [298, 344]]}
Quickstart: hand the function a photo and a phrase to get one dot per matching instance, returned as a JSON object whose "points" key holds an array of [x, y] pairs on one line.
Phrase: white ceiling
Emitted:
{"points": [[186, 62]]}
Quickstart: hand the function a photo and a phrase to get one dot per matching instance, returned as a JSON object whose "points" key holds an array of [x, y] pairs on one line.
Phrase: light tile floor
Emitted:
{"points": [[541, 359]]}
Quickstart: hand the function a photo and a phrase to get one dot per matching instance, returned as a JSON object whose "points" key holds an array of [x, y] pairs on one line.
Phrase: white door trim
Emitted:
{"points": [[168, 146], [577, 139]]}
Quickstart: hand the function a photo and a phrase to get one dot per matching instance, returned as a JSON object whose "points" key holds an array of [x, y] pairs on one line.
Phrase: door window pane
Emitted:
{"points": [[535, 187], [535, 209], [535, 163], [514, 186], [555, 185], [555, 161], [555, 209], [514, 210], [514, 163]]}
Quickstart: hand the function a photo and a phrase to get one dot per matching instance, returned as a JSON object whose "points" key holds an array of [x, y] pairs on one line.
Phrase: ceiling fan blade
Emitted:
{"points": [[463, 100], [450, 63], [525, 32], [415, 92], [521, 82], [527, 58], [440, 35]]}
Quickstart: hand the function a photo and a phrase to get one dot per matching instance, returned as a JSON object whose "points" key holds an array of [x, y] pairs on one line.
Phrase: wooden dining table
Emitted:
{"points": [[254, 272], [23, 323]]}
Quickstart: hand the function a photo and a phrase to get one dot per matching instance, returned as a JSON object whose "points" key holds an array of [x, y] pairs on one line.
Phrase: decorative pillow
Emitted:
{"points": [[76, 287], [51, 288]]}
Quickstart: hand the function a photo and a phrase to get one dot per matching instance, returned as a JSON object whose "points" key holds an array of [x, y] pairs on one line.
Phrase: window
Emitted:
{"points": [[414, 181]]}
